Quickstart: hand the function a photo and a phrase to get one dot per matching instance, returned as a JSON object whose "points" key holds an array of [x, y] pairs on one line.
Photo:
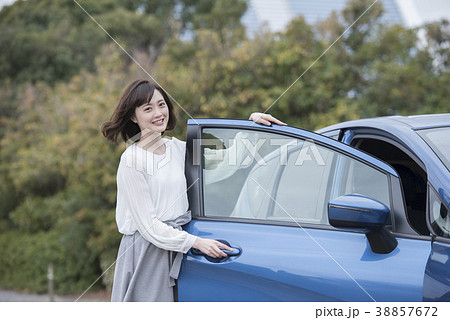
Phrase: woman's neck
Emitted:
{"points": [[152, 142]]}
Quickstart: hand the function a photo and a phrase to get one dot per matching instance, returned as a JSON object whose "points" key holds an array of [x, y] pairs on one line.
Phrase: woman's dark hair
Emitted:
{"points": [[137, 93]]}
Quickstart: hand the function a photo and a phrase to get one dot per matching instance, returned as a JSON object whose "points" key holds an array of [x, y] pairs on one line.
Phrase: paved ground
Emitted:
{"points": [[10, 296]]}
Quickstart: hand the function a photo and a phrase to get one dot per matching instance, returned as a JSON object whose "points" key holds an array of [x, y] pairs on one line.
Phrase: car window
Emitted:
{"points": [[273, 177], [439, 215], [437, 139], [413, 177]]}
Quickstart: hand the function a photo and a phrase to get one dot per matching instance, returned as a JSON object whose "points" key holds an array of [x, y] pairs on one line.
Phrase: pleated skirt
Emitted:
{"points": [[141, 272]]}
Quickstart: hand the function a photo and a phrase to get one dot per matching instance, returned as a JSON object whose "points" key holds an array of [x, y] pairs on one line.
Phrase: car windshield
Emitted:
{"points": [[438, 140]]}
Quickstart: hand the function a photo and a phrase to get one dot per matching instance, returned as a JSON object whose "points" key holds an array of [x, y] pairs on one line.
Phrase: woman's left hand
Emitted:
{"points": [[266, 119]]}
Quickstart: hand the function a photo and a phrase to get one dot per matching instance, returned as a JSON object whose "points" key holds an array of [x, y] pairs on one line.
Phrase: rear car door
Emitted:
{"points": [[437, 273], [265, 192]]}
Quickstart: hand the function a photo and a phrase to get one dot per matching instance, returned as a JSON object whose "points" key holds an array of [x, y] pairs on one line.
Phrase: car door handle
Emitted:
{"points": [[235, 252]]}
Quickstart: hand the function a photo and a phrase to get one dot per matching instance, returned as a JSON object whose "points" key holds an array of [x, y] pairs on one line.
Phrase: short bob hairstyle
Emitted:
{"points": [[137, 93]]}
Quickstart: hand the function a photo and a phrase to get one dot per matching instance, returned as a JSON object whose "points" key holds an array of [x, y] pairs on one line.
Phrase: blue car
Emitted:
{"points": [[358, 211]]}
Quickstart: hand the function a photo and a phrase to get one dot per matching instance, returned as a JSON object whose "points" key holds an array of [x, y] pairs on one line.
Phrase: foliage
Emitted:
{"points": [[25, 259], [62, 77], [52, 40], [63, 174]]}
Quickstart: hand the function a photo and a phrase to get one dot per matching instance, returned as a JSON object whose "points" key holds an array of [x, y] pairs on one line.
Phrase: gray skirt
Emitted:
{"points": [[142, 271]]}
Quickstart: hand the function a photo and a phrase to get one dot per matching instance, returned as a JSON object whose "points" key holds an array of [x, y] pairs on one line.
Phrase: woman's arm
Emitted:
{"points": [[134, 196], [135, 190]]}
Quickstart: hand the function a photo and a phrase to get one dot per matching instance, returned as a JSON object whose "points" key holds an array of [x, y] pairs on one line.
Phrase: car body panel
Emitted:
{"points": [[282, 263], [437, 274]]}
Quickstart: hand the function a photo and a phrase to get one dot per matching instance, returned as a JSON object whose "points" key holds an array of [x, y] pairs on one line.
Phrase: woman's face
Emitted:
{"points": [[153, 116]]}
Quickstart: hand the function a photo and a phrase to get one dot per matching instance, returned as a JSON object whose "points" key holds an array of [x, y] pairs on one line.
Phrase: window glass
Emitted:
{"points": [[255, 175], [360, 178], [304, 186], [437, 139], [229, 156], [439, 215]]}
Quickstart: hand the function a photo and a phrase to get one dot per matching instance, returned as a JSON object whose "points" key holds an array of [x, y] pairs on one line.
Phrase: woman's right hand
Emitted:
{"points": [[266, 119], [211, 247]]}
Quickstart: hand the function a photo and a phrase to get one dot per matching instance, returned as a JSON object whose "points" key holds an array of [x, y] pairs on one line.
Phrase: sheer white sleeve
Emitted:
{"points": [[223, 163], [135, 197]]}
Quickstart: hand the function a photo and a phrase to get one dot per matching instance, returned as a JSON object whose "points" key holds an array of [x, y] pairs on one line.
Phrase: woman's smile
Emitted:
{"points": [[159, 122]]}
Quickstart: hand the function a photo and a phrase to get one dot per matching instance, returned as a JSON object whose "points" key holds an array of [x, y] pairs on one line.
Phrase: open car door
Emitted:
{"points": [[308, 218]]}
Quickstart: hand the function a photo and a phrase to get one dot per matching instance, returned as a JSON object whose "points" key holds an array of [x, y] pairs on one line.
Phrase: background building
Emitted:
{"points": [[277, 14]]}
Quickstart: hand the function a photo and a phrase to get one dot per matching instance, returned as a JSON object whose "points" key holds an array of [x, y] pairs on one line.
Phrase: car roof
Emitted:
{"points": [[413, 122], [424, 121]]}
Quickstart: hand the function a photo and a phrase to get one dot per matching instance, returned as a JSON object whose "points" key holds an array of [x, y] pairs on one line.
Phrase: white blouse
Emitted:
{"points": [[151, 188]]}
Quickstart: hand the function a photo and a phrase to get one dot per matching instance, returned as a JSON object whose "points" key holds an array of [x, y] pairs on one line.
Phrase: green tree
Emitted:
{"points": [[63, 174]]}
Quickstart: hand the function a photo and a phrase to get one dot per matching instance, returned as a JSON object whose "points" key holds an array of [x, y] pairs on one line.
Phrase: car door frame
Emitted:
{"points": [[194, 172]]}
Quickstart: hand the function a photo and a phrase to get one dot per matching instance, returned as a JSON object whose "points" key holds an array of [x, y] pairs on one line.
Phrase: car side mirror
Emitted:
{"points": [[360, 212]]}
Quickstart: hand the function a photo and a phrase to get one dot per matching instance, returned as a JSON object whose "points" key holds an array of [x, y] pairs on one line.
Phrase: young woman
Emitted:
{"points": [[152, 202]]}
